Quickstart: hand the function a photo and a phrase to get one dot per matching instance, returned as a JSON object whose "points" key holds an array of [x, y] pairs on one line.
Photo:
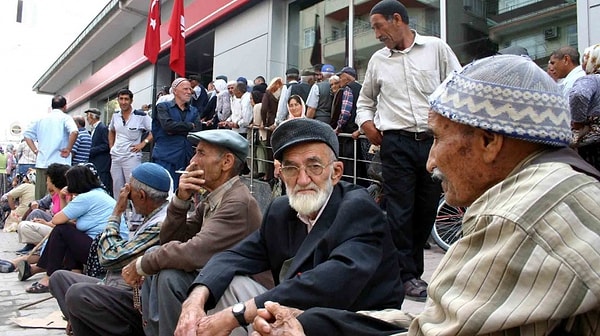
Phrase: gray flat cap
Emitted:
{"points": [[300, 130], [229, 139]]}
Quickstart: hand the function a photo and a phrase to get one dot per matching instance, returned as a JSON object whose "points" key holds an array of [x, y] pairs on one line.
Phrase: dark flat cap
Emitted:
{"points": [[308, 72], [223, 77], [93, 110], [347, 70], [229, 139], [301, 130], [292, 71]]}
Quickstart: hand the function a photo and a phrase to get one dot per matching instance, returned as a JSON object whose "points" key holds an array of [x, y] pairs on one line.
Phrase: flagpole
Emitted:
{"points": [[351, 33]]}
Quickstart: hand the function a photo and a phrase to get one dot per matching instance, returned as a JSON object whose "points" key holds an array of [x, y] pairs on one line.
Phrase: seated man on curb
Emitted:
{"points": [[326, 244], [529, 258], [226, 216], [101, 308]]}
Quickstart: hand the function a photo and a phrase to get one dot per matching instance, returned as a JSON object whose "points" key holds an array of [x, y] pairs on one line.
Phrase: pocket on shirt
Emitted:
{"points": [[426, 81]]}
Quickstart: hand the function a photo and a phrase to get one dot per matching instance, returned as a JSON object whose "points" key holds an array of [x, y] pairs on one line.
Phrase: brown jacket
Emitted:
{"points": [[188, 244]]}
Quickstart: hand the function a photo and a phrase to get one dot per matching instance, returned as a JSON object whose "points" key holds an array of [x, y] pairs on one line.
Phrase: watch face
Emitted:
{"points": [[238, 307]]}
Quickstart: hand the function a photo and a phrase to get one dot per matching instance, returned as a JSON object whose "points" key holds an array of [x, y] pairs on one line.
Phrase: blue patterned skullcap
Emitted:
{"points": [[506, 94]]}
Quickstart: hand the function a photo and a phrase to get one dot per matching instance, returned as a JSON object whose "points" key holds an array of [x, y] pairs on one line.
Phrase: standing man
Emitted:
{"points": [[173, 121], [241, 110], [100, 150], [81, 148], [55, 135], [125, 140], [199, 95], [564, 65], [392, 112], [320, 98]]}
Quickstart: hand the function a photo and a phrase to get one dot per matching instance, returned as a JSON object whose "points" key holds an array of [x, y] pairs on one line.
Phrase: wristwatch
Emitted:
{"points": [[146, 141], [238, 311]]}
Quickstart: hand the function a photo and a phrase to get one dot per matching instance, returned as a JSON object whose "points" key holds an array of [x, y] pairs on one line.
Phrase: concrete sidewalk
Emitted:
{"points": [[13, 295]]}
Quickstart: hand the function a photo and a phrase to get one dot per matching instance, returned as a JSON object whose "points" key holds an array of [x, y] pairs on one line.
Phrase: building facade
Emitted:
{"points": [[251, 38]]}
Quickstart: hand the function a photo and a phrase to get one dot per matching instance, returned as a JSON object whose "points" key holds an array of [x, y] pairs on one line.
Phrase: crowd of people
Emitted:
{"points": [[516, 144]]}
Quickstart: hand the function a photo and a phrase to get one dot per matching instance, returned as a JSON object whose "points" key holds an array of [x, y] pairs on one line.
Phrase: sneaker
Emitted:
{"points": [[6, 266], [26, 249]]}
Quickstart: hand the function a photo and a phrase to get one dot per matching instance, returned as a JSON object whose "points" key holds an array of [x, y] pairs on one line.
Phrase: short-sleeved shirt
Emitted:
{"points": [[91, 211], [128, 133], [52, 134]]}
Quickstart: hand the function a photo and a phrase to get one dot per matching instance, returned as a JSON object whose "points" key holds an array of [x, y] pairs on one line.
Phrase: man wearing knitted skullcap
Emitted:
{"points": [[392, 112], [528, 259], [326, 243], [173, 121]]}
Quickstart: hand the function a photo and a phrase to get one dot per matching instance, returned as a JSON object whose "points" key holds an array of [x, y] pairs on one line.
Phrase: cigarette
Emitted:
{"points": [[181, 171]]}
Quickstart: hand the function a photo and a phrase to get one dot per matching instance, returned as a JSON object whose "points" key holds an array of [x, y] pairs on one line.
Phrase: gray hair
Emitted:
{"points": [[153, 194]]}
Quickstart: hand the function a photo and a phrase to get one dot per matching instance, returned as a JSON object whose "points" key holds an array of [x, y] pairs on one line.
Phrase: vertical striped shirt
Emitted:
{"points": [[81, 148], [529, 261]]}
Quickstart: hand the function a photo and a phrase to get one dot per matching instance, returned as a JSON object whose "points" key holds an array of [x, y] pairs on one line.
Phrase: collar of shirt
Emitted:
{"points": [[310, 223], [214, 198], [418, 40]]}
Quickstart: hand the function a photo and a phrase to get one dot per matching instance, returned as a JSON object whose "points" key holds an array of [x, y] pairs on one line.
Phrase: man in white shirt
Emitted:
{"points": [[51, 138], [564, 65], [241, 110], [392, 112]]}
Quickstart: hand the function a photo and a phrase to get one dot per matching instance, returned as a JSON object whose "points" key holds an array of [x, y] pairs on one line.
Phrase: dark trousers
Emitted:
{"points": [[329, 321], [67, 248], [95, 309], [412, 198]]}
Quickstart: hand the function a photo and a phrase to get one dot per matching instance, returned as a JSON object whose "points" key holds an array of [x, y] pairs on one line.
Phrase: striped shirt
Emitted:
{"points": [[529, 261], [81, 148]]}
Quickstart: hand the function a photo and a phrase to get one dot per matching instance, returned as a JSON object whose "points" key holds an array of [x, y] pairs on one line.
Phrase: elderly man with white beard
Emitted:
{"points": [[326, 244]]}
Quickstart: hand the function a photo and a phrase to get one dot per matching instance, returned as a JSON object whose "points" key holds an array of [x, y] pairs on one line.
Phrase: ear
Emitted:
{"points": [[338, 170], [491, 145], [227, 161]]}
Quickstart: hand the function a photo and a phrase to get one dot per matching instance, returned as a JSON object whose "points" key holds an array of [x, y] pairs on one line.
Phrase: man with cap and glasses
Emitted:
{"points": [[528, 259], [392, 112], [95, 307], [125, 139], [227, 215], [173, 121], [100, 151], [325, 243]]}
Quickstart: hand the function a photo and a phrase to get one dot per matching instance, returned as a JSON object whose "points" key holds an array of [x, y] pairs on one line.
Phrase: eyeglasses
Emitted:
{"points": [[312, 169]]}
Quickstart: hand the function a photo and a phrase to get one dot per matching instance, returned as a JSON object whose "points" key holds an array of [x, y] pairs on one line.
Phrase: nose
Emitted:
{"points": [[303, 178], [431, 161]]}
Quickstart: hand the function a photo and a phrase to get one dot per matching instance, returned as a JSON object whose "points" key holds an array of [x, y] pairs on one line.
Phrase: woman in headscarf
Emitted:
{"points": [[584, 101]]}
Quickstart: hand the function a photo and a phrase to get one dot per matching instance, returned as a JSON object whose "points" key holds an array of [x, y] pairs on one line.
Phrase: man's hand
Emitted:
{"points": [[218, 324], [130, 275], [277, 320], [122, 201], [190, 182], [372, 132], [138, 148], [192, 311], [34, 205], [65, 152]]}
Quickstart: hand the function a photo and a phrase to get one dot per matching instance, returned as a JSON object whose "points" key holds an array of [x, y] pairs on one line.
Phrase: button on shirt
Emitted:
{"points": [[128, 134], [398, 83]]}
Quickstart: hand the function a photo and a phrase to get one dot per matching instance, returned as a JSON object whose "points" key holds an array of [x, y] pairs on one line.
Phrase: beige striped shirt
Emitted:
{"points": [[529, 261]]}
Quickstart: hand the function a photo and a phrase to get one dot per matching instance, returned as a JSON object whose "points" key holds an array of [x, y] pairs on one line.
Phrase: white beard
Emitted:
{"points": [[307, 204]]}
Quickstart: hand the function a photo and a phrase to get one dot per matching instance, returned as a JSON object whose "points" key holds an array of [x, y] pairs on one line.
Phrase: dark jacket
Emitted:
{"points": [[347, 261], [100, 152]]}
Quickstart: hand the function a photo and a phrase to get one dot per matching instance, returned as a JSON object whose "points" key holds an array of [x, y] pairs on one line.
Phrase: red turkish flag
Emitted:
{"points": [[177, 33], [152, 43]]}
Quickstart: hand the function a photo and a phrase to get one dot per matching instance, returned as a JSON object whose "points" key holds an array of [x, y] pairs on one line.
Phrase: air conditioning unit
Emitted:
{"points": [[551, 33]]}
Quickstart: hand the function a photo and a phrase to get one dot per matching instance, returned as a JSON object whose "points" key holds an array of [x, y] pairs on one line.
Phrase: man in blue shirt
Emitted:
{"points": [[55, 134]]}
